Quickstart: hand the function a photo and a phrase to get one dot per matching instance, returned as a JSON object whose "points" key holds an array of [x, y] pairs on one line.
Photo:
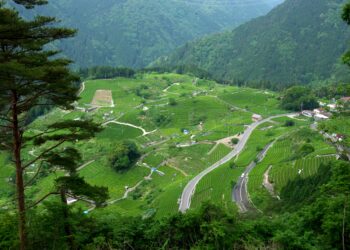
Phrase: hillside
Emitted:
{"points": [[134, 33], [182, 126], [298, 41]]}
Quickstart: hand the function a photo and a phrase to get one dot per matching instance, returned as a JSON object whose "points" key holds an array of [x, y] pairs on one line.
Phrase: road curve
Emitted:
{"points": [[144, 132], [240, 193], [189, 190]]}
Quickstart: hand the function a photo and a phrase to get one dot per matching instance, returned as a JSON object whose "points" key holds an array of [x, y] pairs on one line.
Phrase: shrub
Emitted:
{"points": [[289, 123], [172, 102], [125, 156], [306, 149], [234, 141]]}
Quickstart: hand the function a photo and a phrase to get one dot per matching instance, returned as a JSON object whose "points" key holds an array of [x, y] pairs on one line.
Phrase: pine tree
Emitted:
{"points": [[72, 185], [29, 4], [32, 76]]}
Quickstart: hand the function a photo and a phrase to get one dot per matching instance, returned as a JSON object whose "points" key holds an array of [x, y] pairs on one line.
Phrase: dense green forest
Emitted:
{"points": [[134, 33], [297, 42]]}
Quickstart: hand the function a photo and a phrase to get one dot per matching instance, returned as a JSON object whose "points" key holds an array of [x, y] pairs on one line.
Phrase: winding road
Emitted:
{"points": [[189, 190], [240, 191]]}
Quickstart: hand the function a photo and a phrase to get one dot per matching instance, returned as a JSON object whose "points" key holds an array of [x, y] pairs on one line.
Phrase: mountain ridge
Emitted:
{"points": [[296, 42], [134, 33]]}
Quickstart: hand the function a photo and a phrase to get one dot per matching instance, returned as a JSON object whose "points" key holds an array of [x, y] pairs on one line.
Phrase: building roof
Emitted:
{"points": [[345, 99], [321, 116]]}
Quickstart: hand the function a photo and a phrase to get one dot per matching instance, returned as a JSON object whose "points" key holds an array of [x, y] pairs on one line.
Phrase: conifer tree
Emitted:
{"points": [[31, 76], [72, 185]]}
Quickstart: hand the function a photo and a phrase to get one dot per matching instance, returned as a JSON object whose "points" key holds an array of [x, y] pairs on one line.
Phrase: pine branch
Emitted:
{"points": [[35, 176], [42, 199], [43, 153]]}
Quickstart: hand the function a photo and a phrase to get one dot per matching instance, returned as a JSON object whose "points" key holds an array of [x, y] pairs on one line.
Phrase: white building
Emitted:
{"points": [[332, 107], [319, 117], [307, 113], [256, 117]]}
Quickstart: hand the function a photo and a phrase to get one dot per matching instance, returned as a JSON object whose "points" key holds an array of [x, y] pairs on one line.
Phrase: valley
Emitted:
{"points": [[174, 124], [179, 122]]}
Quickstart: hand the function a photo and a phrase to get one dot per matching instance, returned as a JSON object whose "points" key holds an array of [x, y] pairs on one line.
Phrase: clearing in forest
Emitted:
{"points": [[103, 98]]}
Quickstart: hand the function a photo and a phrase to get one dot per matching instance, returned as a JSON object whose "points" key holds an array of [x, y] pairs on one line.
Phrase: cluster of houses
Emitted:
{"points": [[108, 115], [325, 111], [318, 114], [334, 137]]}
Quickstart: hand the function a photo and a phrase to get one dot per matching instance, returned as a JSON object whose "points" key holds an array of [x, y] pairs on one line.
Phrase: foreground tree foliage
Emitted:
{"points": [[30, 74], [30, 3]]}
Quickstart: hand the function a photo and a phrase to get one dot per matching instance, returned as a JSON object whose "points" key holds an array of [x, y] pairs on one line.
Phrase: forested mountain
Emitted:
{"points": [[297, 42], [133, 33]]}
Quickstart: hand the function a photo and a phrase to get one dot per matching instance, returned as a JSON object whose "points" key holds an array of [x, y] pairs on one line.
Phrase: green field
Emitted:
{"points": [[217, 186]]}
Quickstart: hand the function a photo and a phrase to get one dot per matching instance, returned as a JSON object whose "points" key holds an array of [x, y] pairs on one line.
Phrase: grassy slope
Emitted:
{"points": [[285, 166]]}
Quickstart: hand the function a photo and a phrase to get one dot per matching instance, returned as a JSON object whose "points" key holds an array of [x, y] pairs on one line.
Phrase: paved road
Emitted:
{"points": [[189, 190], [240, 191]]}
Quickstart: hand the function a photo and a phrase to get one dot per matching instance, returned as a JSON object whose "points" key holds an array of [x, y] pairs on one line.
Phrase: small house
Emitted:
{"points": [[322, 104], [307, 113], [320, 117], [345, 99], [186, 132], [332, 107], [339, 137], [256, 117], [319, 111]]}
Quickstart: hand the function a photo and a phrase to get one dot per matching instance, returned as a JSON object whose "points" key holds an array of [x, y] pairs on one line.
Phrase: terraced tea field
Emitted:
{"points": [[180, 124], [281, 165], [281, 174]]}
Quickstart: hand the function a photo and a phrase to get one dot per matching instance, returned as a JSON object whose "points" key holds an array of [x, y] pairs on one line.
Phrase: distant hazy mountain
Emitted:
{"points": [[136, 32], [298, 41]]}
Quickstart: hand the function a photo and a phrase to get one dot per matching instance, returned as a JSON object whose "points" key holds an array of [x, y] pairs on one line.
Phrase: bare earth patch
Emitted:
{"points": [[103, 98], [267, 184]]}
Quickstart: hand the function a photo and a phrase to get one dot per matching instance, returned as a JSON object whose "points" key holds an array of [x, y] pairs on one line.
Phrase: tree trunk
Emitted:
{"points": [[343, 232], [67, 228], [17, 143]]}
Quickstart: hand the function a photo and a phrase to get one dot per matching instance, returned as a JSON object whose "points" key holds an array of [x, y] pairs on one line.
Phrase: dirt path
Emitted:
{"points": [[82, 88], [126, 194], [130, 125], [132, 189], [169, 164], [166, 89], [85, 165], [267, 184]]}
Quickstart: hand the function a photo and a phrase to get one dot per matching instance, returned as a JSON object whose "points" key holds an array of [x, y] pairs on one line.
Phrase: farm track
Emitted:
{"points": [[130, 125], [267, 184], [168, 164], [81, 90], [189, 190]]}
